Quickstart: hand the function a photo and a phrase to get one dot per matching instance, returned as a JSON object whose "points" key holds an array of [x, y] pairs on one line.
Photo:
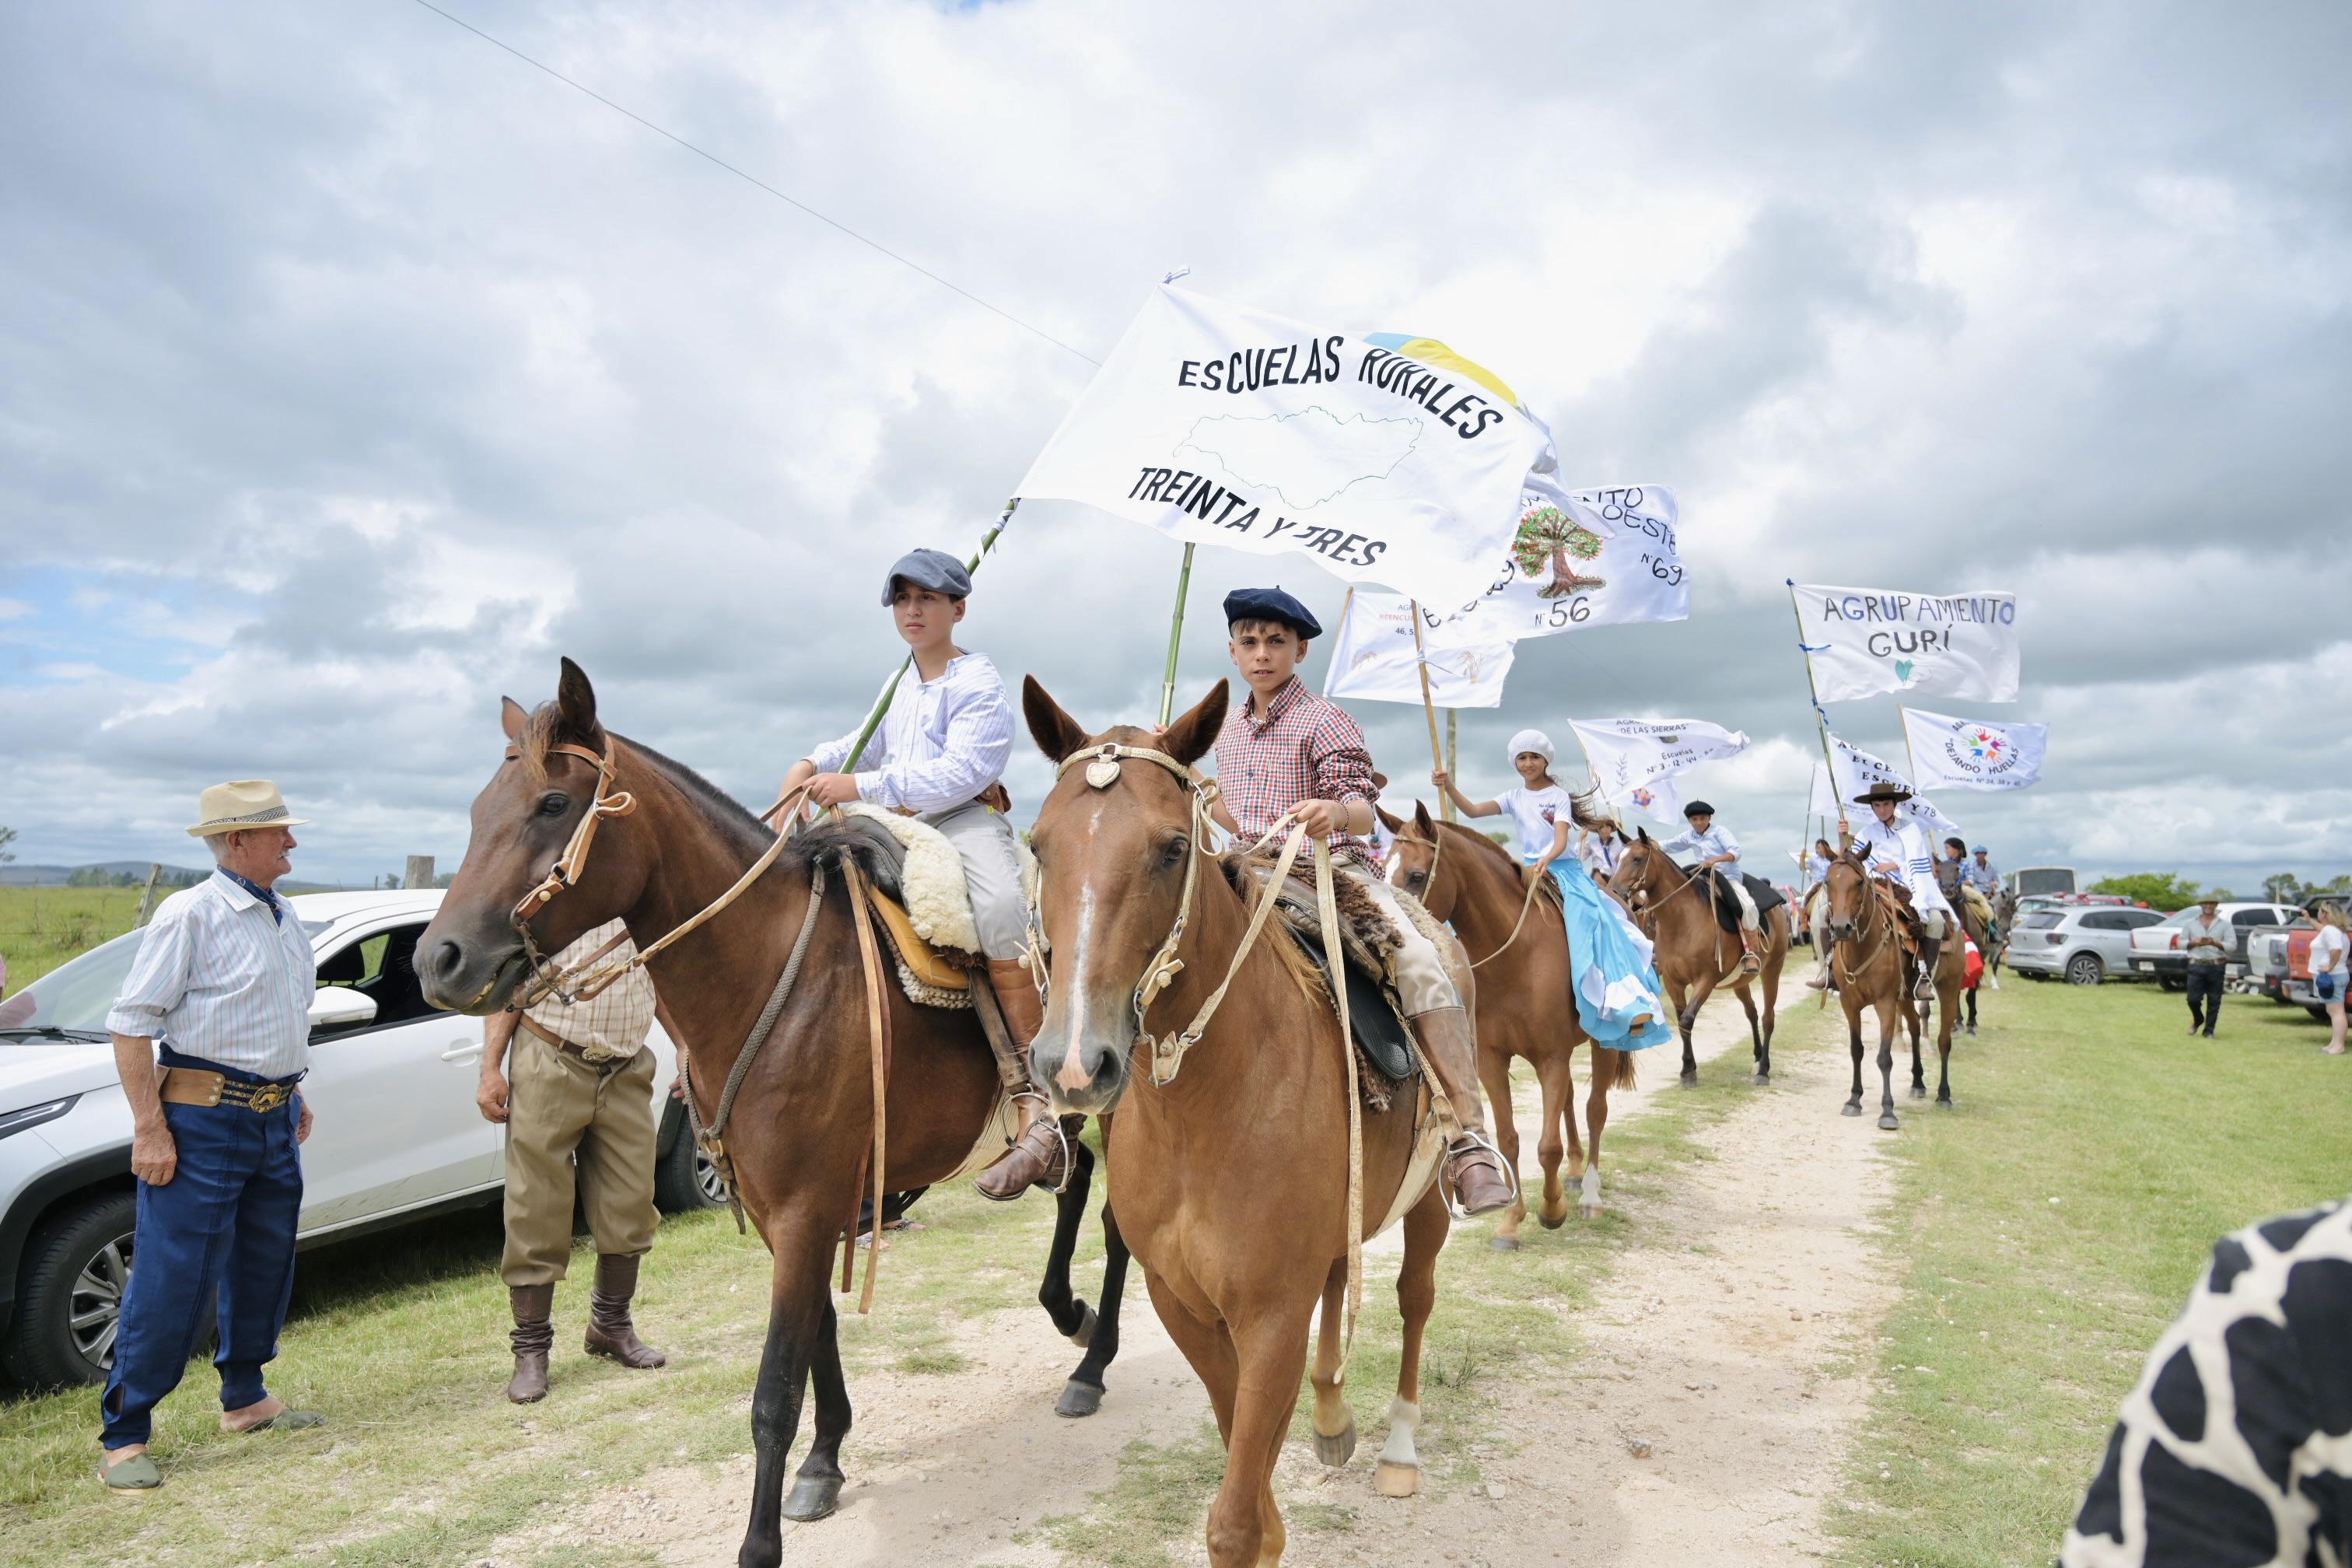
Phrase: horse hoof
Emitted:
{"points": [[1943, 1102], [1852, 1108], [1690, 1079], [813, 1496], [1500, 1243], [1918, 1092], [1553, 1221], [1078, 1399], [1084, 1334], [1393, 1480], [1889, 1122], [1588, 1211], [1762, 1080], [1336, 1451]]}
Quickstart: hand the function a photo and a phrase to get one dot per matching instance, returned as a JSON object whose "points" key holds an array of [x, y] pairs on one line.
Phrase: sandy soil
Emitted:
{"points": [[1706, 1425]]}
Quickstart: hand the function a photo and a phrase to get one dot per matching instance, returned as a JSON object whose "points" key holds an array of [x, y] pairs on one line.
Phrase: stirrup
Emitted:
{"points": [[1476, 1141], [1056, 1122]]}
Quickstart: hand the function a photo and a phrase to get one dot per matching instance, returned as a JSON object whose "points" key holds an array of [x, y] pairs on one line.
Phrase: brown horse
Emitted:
{"points": [[1230, 1176], [1525, 1002], [802, 1124], [1874, 972], [1694, 953]]}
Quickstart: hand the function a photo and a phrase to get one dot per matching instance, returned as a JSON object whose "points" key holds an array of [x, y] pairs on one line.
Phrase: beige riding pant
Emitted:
{"points": [[1418, 969], [992, 874], [575, 1128]]}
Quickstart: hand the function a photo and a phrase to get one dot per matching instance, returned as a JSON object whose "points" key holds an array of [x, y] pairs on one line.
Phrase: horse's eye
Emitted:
{"points": [[554, 802], [1172, 855]]}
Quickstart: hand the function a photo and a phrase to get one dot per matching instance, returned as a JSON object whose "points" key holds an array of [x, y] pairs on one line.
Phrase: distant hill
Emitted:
{"points": [[103, 873]]}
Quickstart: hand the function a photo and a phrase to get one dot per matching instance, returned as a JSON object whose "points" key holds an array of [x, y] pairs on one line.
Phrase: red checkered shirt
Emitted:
{"points": [[1304, 749]]}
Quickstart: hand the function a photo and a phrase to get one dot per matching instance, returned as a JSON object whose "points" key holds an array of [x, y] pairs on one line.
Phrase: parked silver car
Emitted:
{"points": [[2085, 944]]}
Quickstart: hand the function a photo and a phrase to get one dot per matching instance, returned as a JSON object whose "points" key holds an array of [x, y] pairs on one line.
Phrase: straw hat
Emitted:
{"points": [[241, 804]]}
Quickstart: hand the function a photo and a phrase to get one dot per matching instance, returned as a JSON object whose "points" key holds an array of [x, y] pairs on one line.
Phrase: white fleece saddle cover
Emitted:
{"points": [[938, 904]]}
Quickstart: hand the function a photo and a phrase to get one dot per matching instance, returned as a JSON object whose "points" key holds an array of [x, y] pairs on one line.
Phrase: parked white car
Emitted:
{"points": [[2084, 942], [392, 1082]]}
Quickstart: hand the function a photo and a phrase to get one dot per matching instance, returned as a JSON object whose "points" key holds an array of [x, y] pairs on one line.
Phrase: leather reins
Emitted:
{"points": [[1437, 848]]}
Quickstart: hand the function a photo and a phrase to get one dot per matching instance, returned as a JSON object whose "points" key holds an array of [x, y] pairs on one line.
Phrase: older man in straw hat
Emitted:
{"points": [[222, 981]]}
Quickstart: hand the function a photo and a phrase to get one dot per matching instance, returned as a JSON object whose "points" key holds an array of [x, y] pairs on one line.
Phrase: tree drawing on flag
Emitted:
{"points": [[1548, 537]]}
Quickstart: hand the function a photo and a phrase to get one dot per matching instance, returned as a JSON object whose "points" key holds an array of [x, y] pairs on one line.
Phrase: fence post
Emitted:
{"points": [[420, 872], [147, 898]]}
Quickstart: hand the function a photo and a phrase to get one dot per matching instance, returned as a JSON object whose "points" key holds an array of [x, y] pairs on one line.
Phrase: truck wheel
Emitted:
{"points": [[2084, 969], [684, 1181], [69, 1291], [2167, 983]]}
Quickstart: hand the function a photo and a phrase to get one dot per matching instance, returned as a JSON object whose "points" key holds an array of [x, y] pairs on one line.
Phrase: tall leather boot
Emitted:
{"points": [[532, 1337], [1751, 961], [1924, 987], [610, 1332], [1039, 1152], [1474, 1166]]}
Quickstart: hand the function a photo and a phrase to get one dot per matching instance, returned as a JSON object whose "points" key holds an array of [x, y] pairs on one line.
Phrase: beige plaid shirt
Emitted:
{"points": [[613, 1025]]}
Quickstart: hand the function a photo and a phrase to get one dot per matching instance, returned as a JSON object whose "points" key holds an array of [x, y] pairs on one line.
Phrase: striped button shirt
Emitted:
{"points": [[220, 976], [941, 744], [1304, 749], [612, 1024], [1716, 840]]}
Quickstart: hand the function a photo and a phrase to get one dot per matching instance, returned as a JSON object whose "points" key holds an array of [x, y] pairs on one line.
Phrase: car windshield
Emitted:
{"points": [[72, 1000]]}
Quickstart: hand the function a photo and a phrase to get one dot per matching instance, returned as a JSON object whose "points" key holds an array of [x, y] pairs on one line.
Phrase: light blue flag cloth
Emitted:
{"points": [[1615, 979]]}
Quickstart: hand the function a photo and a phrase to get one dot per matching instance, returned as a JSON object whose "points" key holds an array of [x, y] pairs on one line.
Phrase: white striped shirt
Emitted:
{"points": [[217, 976], [611, 1026], [941, 744], [1706, 845]]}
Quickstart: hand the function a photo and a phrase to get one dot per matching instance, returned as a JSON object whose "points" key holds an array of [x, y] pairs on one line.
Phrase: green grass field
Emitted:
{"points": [[2047, 1232], [40, 928]]}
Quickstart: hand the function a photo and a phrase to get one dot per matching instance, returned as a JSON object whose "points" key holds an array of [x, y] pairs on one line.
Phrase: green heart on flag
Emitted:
{"points": [[1903, 667]]}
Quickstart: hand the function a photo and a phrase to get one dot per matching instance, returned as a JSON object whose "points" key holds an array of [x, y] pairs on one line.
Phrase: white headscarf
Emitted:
{"points": [[1525, 741]]}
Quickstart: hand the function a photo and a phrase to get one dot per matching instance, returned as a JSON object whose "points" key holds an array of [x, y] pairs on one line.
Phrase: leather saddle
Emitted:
{"points": [[1372, 1016], [1727, 908], [940, 969], [930, 975]]}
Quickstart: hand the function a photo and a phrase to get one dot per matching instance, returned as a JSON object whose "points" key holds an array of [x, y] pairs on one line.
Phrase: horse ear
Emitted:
{"points": [[512, 717], [1189, 739], [575, 701], [1642, 832], [1421, 823], [1056, 733], [1389, 819]]}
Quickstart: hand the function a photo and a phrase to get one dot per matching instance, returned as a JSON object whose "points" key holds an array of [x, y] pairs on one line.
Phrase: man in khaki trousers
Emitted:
{"points": [[580, 1122]]}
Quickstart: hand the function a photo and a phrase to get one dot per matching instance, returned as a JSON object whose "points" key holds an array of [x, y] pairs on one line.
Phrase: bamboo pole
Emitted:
{"points": [[1428, 708], [1175, 639], [1821, 719], [874, 720], [1453, 760]]}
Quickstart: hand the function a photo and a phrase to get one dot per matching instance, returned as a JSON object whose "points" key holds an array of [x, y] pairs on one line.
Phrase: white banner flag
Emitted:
{"points": [[1857, 770], [1823, 800], [1634, 760], [1375, 657], [1221, 424], [1863, 641], [1967, 753], [1578, 558]]}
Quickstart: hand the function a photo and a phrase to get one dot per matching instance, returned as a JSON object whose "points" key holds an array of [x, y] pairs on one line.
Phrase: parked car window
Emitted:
{"points": [[79, 994], [2135, 919], [2246, 919], [2105, 919], [2043, 919], [381, 966]]}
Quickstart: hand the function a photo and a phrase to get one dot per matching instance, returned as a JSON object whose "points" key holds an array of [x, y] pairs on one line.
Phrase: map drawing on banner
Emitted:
{"points": [[1863, 641], [1387, 459], [1857, 770], [1966, 753], [1374, 658], [1632, 759], [1578, 558]]}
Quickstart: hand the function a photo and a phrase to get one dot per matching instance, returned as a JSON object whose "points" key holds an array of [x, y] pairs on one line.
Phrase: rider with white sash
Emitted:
{"points": [[1615, 985], [1895, 846]]}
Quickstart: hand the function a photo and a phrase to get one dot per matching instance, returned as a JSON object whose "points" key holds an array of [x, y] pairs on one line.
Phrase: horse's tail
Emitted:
{"points": [[1621, 1071]]}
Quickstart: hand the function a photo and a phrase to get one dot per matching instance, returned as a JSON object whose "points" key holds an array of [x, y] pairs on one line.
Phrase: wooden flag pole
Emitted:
{"points": [[874, 720], [1821, 719], [1428, 708], [1453, 760], [1175, 638]]}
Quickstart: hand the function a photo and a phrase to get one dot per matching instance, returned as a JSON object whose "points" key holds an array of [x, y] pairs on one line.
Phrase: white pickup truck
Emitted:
{"points": [[391, 1083]]}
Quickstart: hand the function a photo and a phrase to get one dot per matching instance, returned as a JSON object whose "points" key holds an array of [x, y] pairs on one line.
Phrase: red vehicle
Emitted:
{"points": [[2297, 987]]}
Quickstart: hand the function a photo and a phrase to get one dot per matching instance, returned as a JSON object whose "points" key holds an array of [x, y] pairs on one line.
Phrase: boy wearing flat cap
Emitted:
{"points": [[938, 756], [1288, 751]]}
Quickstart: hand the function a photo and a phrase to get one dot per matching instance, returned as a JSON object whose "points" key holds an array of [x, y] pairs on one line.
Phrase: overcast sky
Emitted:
{"points": [[351, 370]]}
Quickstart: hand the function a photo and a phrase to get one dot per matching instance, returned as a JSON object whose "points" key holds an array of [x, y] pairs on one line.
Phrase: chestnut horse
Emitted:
{"points": [[1525, 1002], [1694, 953], [1874, 972], [1230, 1176], [802, 1122]]}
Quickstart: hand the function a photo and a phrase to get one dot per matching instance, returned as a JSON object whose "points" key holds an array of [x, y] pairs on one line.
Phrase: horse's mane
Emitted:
{"points": [[1509, 862]]}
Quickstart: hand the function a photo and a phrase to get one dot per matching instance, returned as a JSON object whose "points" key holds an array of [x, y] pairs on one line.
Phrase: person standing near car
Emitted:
{"points": [[580, 1128], [2330, 948], [223, 981], [2206, 939]]}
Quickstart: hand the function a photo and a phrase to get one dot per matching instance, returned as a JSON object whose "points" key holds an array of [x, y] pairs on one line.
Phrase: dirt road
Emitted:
{"points": [[1704, 1420]]}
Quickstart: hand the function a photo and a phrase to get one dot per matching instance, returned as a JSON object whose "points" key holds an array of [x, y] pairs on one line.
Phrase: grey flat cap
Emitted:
{"points": [[934, 569]]}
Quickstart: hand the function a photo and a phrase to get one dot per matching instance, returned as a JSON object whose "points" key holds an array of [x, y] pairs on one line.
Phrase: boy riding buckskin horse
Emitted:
{"points": [[1289, 753], [938, 757]]}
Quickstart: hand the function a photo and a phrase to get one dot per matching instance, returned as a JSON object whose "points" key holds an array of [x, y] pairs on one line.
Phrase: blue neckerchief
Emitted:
{"points": [[277, 910]]}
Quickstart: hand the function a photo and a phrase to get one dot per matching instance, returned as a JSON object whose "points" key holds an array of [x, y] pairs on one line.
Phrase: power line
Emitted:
{"points": [[754, 179]]}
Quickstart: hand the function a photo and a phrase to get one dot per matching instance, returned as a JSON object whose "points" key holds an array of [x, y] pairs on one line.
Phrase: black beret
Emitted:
{"points": [[1699, 809], [1270, 604]]}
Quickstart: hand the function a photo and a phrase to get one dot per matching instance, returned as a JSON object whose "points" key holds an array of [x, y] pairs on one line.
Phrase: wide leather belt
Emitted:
{"points": [[190, 1086], [602, 1062]]}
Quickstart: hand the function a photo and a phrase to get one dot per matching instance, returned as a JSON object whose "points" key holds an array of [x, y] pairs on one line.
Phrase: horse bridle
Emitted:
{"points": [[1881, 919]]}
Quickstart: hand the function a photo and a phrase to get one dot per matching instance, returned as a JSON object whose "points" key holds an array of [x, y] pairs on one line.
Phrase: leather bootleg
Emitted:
{"points": [[575, 1128]]}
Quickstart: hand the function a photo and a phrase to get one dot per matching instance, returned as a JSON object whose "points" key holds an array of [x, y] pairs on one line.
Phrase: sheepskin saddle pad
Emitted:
{"points": [[930, 925]]}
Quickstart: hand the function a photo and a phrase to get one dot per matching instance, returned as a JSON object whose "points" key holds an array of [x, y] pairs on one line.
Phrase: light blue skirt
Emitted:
{"points": [[1614, 977]]}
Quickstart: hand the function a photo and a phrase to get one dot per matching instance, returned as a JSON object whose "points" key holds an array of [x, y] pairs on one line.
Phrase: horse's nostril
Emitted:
{"points": [[445, 959]]}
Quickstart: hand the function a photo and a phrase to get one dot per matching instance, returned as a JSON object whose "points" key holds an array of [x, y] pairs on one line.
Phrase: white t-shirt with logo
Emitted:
{"points": [[2327, 953], [1534, 811]]}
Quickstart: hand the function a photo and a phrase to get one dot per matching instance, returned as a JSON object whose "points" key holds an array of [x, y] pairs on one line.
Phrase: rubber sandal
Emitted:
{"points": [[131, 1478], [288, 1421]]}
